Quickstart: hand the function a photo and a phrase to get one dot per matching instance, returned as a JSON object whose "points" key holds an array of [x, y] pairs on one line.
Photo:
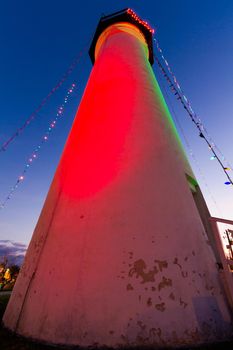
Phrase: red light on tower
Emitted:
{"points": [[119, 256]]}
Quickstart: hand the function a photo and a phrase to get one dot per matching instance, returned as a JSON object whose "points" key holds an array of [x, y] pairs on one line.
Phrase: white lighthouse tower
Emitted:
{"points": [[120, 255]]}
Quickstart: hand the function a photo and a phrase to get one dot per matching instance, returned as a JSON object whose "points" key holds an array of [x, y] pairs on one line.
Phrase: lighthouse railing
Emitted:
{"points": [[226, 266]]}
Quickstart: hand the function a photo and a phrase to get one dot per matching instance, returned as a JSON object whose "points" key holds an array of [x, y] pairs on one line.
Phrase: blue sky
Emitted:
{"points": [[39, 39]]}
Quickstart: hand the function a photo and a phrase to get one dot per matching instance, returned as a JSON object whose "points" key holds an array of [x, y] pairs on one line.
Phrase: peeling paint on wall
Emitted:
{"points": [[160, 307]]}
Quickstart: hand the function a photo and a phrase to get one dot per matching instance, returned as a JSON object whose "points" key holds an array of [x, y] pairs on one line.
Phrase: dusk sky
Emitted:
{"points": [[40, 39]]}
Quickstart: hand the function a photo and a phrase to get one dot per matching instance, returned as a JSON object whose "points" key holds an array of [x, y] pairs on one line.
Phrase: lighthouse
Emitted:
{"points": [[121, 254]]}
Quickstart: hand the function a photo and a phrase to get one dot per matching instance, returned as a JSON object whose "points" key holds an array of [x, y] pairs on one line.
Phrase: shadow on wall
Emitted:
{"points": [[204, 306]]}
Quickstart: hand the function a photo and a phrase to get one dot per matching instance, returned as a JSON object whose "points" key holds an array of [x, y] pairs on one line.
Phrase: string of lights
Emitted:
{"points": [[34, 155], [35, 113], [139, 20], [191, 152], [178, 92]]}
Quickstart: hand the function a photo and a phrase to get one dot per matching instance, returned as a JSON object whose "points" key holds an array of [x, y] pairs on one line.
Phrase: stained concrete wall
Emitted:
{"points": [[120, 255]]}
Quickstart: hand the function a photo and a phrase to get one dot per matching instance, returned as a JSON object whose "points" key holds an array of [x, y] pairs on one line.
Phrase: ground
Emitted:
{"points": [[9, 341]]}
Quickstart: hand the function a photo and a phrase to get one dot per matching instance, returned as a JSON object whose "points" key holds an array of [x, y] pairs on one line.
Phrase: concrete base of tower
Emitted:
{"points": [[142, 306]]}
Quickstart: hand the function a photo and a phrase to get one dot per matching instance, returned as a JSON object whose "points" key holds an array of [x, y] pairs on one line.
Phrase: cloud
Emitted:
{"points": [[13, 251]]}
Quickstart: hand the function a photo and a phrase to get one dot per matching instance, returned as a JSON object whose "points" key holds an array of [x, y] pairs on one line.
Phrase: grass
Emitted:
{"points": [[3, 303], [10, 341]]}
